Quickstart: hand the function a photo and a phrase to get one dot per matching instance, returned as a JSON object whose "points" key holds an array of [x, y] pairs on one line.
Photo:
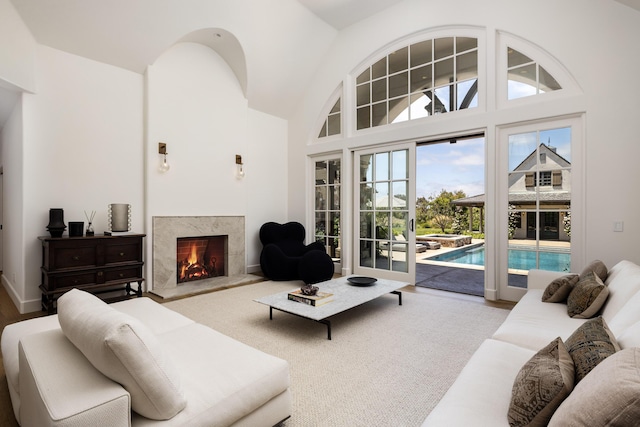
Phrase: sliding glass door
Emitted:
{"points": [[384, 215]]}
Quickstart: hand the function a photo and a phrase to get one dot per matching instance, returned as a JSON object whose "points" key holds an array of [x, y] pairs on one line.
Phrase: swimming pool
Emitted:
{"points": [[518, 259]]}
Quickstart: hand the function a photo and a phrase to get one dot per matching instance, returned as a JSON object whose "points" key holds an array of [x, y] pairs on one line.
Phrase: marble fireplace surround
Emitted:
{"points": [[167, 229]]}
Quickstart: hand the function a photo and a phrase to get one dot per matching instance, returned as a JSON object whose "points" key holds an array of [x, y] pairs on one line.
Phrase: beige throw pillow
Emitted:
{"points": [[560, 288], [587, 297], [589, 345], [541, 386], [608, 396], [124, 350]]}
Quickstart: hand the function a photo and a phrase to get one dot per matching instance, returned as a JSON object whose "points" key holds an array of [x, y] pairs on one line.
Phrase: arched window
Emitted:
{"points": [[526, 77], [425, 78], [332, 124]]}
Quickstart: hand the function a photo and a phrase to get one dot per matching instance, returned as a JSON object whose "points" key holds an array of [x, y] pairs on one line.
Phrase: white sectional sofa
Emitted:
{"points": [[482, 393], [173, 370]]}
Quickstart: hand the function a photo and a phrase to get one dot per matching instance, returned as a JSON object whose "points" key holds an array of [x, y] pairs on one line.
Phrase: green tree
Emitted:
{"points": [[440, 210], [422, 211]]}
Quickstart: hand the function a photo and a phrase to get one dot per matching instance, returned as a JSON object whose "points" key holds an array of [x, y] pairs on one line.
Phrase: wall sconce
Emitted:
{"points": [[239, 167], [162, 149]]}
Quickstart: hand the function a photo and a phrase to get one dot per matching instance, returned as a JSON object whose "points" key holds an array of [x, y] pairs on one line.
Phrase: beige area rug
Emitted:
{"points": [[386, 365]]}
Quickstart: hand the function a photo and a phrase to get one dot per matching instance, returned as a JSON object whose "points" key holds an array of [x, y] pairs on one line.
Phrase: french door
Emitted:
{"points": [[384, 212], [537, 193]]}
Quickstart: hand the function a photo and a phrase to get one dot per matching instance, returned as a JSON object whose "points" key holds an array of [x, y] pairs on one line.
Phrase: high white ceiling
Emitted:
{"points": [[343, 13], [131, 34]]}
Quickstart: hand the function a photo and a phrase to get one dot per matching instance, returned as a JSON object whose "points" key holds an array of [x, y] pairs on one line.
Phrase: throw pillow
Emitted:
{"points": [[589, 345], [587, 297], [608, 396], [541, 386], [598, 268], [560, 288], [124, 350]]}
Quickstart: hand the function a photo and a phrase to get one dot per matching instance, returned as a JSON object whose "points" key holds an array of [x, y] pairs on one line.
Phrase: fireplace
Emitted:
{"points": [[166, 232], [200, 257]]}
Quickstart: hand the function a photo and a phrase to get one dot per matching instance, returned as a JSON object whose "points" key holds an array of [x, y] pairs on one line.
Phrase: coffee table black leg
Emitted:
{"points": [[323, 321], [328, 323], [399, 296]]}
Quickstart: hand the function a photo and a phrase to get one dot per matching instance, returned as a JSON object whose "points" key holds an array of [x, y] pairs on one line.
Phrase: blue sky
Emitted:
{"points": [[460, 166]]}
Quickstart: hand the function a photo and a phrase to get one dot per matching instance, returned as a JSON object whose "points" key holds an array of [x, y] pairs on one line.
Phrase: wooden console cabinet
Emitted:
{"points": [[97, 264]]}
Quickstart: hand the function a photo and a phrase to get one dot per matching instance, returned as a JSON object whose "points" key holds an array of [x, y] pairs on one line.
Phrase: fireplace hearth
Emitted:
{"points": [[200, 258]]}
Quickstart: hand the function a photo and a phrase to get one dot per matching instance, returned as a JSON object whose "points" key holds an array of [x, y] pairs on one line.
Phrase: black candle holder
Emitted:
{"points": [[56, 224]]}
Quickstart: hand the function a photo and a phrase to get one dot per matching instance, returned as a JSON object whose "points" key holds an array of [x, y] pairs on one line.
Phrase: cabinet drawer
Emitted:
{"points": [[67, 257], [124, 252], [68, 281], [123, 273]]}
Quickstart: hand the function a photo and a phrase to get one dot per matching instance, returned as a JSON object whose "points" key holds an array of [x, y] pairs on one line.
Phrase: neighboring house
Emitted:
{"points": [[543, 178]]}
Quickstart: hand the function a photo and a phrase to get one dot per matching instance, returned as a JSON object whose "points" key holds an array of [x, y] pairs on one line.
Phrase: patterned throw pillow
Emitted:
{"points": [[560, 288], [541, 386], [587, 297], [598, 268], [608, 396], [589, 345]]}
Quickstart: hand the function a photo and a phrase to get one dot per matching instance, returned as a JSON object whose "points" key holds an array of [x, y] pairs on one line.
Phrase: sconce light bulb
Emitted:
{"points": [[164, 166], [240, 171]]}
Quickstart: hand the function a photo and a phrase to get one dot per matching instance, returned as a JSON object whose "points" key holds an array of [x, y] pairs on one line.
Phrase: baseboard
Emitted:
{"points": [[22, 306]]}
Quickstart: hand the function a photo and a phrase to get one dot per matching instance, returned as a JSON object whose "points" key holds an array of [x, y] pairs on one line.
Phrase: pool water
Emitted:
{"points": [[518, 259]]}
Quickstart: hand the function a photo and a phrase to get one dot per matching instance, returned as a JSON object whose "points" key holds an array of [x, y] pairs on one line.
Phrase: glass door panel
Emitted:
{"points": [[386, 191], [539, 204]]}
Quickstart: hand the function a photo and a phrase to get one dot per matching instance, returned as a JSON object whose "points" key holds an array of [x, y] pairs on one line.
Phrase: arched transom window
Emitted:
{"points": [[429, 77]]}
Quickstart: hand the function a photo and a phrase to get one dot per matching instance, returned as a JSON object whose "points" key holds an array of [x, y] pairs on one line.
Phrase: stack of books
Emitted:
{"points": [[316, 300]]}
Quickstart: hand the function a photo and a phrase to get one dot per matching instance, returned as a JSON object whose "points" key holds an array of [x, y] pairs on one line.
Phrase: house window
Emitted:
{"points": [[426, 78], [526, 77], [544, 178], [332, 124], [327, 205]]}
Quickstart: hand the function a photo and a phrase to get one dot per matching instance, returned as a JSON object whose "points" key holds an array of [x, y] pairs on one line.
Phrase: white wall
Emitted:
{"points": [[18, 53], [12, 203], [195, 105], [594, 40], [81, 151]]}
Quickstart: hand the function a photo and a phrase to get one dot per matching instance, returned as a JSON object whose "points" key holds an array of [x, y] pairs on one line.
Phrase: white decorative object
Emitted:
{"points": [[119, 217]]}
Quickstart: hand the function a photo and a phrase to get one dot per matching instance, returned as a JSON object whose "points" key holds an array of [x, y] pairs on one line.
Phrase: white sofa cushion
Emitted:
{"points": [[623, 282], [608, 396], [123, 349], [59, 387], [481, 394], [533, 324], [220, 397]]}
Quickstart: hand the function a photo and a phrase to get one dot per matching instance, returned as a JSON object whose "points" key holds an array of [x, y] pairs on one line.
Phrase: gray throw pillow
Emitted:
{"points": [[587, 297], [541, 386], [589, 345], [598, 268], [560, 288]]}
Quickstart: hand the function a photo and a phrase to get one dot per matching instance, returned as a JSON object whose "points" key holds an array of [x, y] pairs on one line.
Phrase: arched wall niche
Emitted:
{"points": [[227, 46]]}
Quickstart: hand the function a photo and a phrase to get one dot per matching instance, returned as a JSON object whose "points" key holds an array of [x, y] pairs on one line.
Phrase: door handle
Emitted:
{"points": [[411, 223]]}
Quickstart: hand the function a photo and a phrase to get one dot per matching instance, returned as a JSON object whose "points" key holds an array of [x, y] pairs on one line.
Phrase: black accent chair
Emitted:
{"points": [[285, 256]]}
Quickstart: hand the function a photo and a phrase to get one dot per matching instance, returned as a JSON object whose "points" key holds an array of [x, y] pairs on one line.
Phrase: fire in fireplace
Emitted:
{"points": [[200, 257]]}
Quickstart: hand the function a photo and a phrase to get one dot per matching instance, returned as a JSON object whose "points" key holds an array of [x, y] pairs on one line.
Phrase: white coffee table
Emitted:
{"points": [[345, 297]]}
